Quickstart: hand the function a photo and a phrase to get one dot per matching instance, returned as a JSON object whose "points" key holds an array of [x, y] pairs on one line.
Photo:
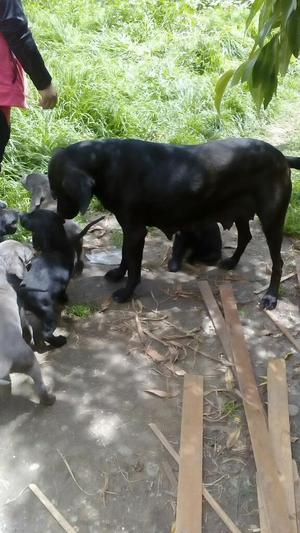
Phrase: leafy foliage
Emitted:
{"points": [[276, 41]]}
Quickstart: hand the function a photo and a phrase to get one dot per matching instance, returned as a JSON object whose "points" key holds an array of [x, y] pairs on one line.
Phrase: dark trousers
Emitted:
{"points": [[4, 134]]}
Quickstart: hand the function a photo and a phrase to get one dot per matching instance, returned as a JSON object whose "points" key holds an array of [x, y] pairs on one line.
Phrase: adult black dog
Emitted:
{"points": [[43, 288], [170, 187], [197, 243]]}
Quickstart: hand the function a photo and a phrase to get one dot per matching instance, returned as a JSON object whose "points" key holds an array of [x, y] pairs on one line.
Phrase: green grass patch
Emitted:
{"points": [[81, 310], [140, 68]]}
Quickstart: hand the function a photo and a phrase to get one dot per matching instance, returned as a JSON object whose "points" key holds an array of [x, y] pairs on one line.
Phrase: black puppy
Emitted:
{"points": [[8, 222], [41, 198], [198, 244], [43, 289], [170, 187]]}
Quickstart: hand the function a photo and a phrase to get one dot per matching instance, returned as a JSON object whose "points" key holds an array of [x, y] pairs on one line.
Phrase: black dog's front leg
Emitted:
{"points": [[116, 274], [178, 251], [133, 246]]}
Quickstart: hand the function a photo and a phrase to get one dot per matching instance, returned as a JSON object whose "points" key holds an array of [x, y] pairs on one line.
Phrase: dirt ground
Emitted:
{"points": [[92, 453]]}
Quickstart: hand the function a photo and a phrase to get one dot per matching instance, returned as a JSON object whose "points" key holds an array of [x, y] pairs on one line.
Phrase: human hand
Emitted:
{"points": [[48, 97]]}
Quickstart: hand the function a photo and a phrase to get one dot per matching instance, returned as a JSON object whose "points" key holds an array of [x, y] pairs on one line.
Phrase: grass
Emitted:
{"points": [[140, 68], [81, 310]]}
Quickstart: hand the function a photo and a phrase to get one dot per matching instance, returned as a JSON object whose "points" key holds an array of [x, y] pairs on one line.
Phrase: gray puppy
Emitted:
{"points": [[16, 355], [15, 255], [38, 186]]}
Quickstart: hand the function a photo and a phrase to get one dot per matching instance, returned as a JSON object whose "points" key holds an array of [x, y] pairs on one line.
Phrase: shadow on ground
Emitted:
{"points": [[97, 433]]}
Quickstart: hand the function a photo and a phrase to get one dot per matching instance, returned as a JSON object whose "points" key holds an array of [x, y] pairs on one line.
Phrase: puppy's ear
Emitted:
{"points": [[79, 187]]}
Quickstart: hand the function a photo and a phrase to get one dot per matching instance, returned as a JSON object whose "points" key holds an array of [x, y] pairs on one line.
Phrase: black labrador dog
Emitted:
{"points": [[171, 187], [43, 288], [197, 244]]}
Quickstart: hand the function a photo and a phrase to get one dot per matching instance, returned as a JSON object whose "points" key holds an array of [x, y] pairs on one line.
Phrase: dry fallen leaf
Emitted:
{"points": [[162, 393], [233, 438], [105, 304], [154, 355], [229, 379]]}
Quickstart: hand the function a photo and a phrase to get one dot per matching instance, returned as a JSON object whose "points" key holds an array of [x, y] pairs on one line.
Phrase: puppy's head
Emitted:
{"points": [[38, 186], [8, 222], [47, 229], [71, 186]]}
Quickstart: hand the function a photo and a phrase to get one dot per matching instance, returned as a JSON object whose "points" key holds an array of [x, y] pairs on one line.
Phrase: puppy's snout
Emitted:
{"points": [[24, 221]]}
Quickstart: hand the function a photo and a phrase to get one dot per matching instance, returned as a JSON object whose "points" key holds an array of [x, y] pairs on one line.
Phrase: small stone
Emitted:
{"points": [[293, 409]]}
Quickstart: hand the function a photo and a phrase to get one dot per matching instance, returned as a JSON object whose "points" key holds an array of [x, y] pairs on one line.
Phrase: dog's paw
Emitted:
{"points": [[173, 266], [227, 264], [47, 398], [268, 302], [114, 275], [57, 342], [122, 295]]}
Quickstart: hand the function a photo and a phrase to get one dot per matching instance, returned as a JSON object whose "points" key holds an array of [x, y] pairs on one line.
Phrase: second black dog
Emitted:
{"points": [[196, 244]]}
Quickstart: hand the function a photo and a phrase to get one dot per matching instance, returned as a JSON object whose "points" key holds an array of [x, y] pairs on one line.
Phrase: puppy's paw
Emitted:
{"points": [[47, 398], [114, 275], [57, 342], [173, 266], [268, 302], [122, 295], [227, 264]]}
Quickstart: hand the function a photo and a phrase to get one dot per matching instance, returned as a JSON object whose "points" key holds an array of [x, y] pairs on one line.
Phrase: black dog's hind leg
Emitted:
{"points": [[244, 237], [178, 251], [133, 246], [46, 398], [274, 234]]}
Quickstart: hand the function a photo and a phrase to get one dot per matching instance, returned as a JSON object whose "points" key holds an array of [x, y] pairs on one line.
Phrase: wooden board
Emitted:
{"points": [[209, 498], [279, 429], [263, 517], [189, 493], [285, 331], [297, 492], [216, 317], [272, 489]]}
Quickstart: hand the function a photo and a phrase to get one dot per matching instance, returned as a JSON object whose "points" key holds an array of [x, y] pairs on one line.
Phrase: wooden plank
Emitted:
{"points": [[279, 429], [285, 331], [189, 492], [216, 317], [263, 517], [209, 498], [297, 492], [52, 510], [297, 263], [272, 489]]}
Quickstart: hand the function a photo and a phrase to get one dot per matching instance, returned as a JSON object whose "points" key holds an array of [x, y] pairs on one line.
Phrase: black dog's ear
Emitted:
{"points": [[79, 187]]}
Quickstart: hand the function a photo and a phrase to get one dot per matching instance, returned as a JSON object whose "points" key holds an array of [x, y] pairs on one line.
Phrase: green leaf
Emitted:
{"points": [[293, 32], [221, 87], [284, 55], [266, 61], [287, 6], [253, 11]]}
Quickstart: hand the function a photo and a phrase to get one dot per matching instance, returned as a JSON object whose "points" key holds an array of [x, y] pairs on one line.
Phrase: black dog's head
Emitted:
{"points": [[71, 186], [8, 222], [47, 227]]}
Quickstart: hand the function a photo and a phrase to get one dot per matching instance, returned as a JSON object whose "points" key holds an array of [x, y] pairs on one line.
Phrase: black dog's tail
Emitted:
{"points": [[86, 229], [294, 162]]}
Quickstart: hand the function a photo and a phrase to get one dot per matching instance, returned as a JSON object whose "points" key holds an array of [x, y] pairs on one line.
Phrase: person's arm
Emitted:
{"points": [[14, 28]]}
